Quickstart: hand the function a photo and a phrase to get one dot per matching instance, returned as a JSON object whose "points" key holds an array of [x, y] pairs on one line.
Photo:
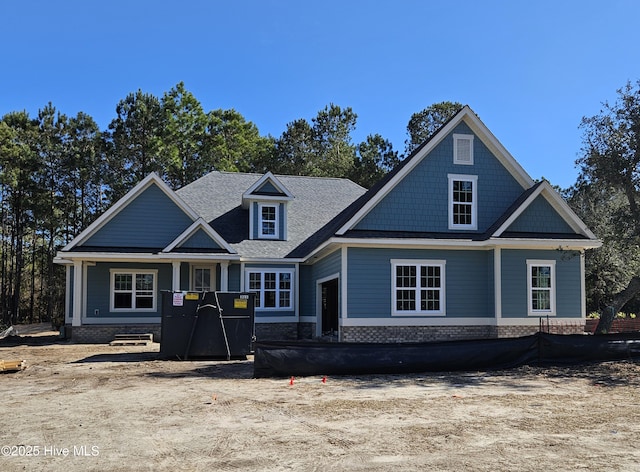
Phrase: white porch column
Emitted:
{"points": [[497, 282], [175, 279], [77, 293], [224, 276]]}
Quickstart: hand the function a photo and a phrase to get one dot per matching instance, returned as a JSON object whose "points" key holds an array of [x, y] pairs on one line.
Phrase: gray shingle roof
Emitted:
{"points": [[217, 198]]}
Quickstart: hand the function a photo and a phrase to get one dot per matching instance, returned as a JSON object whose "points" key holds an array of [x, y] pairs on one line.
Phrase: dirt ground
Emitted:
{"points": [[96, 408]]}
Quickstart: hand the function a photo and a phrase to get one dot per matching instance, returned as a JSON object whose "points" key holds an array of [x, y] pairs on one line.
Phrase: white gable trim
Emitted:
{"points": [[559, 205], [131, 195], [191, 230], [481, 131], [248, 195]]}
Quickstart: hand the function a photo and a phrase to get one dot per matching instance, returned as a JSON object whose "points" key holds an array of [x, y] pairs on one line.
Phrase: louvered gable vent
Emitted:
{"points": [[463, 149]]}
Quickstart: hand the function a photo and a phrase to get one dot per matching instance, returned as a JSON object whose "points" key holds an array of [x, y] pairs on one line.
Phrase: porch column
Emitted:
{"points": [[77, 293], [497, 283], [175, 278], [224, 276]]}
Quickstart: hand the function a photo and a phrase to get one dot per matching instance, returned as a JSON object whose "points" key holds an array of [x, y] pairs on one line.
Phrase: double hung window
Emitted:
{"points": [[268, 221], [418, 287], [201, 281], [133, 290], [463, 201], [273, 289], [541, 287]]}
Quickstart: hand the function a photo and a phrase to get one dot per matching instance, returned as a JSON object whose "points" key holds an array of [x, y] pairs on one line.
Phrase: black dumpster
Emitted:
{"points": [[213, 325]]}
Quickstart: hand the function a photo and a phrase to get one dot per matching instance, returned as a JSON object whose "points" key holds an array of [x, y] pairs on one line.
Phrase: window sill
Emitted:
{"points": [[419, 313]]}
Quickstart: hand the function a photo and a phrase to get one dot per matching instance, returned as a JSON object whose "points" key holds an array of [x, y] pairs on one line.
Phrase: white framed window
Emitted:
{"points": [[202, 279], [418, 287], [133, 290], [463, 201], [273, 288], [268, 221], [463, 149], [541, 288]]}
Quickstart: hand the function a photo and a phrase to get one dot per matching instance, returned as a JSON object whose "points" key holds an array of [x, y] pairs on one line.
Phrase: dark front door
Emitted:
{"points": [[330, 307]]}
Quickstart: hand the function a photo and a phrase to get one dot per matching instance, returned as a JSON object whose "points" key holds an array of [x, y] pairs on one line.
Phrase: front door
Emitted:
{"points": [[330, 307]]}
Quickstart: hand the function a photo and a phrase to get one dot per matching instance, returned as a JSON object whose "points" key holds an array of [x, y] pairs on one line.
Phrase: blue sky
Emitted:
{"points": [[530, 70]]}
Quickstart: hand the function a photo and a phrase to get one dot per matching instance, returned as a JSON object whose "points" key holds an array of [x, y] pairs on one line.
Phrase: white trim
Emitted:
{"points": [[583, 289], [461, 244], [474, 201], [276, 221], [212, 275], [420, 321], [175, 276], [162, 257], [145, 183], [559, 205], [481, 131], [418, 263], [277, 319], [344, 287], [275, 270], [466, 244], [191, 230], [497, 281], [532, 321], [224, 275], [124, 320], [552, 290], [456, 139], [78, 273], [296, 290], [249, 195], [133, 272], [85, 281], [67, 294]]}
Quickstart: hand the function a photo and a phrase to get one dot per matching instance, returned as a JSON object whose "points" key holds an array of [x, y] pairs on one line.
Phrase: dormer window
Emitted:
{"points": [[267, 200], [268, 221], [463, 149]]}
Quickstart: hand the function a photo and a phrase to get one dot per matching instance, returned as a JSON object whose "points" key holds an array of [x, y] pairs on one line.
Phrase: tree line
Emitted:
{"points": [[58, 173]]}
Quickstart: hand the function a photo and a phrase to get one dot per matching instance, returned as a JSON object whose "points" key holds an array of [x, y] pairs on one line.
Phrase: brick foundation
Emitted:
{"points": [[306, 330], [400, 334], [276, 331], [103, 334]]}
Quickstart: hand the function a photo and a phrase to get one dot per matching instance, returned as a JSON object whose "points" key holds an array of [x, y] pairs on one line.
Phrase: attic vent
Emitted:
{"points": [[463, 149]]}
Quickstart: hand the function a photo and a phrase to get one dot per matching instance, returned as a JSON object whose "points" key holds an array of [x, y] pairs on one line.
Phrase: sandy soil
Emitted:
{"points": [[96, 407]]}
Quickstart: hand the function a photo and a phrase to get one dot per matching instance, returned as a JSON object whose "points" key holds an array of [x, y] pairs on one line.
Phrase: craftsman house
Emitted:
{"points": [[457, 242]]}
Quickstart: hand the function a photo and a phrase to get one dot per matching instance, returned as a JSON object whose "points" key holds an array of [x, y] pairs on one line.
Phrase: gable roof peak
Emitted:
{"points": [[277, 190], [465, 115], [131, 195], [199, 224]]}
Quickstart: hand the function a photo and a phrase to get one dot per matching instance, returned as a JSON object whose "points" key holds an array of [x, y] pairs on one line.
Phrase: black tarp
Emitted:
{"points": [[283, 359]]}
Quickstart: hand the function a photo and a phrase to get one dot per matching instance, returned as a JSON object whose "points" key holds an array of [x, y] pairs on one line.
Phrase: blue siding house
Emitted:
{"points": [[457, 242]]}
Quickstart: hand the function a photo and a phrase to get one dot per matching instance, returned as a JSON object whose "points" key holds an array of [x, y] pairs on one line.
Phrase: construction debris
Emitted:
{"points": [[134, 339], [10, 331], [12, 366]]}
